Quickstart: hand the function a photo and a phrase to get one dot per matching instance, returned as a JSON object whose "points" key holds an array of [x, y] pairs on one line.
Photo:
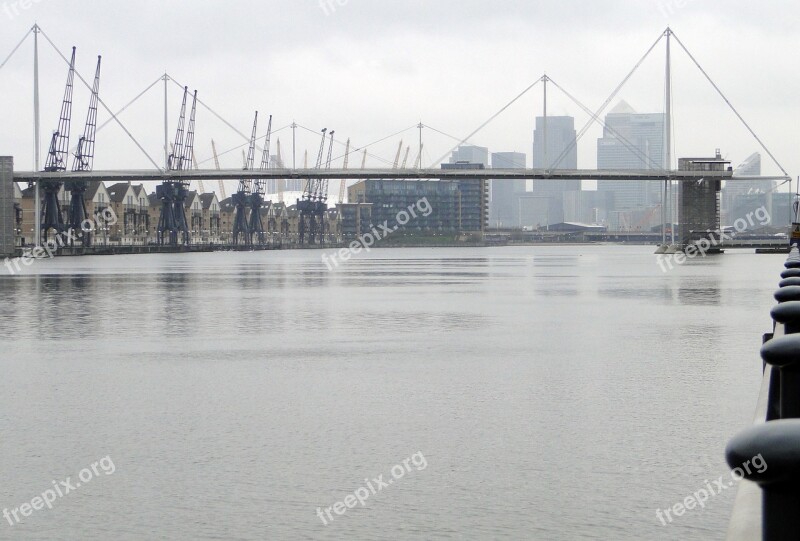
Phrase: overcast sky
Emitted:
{"points": [[369, 68]]}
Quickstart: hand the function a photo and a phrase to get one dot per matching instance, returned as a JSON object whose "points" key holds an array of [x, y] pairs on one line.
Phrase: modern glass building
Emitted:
{"points": [[456, 206], [631, 141], [504, 207], [555, 150]]}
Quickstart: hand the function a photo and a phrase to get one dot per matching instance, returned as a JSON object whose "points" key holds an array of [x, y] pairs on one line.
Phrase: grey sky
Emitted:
{"points": [[370, 68]]}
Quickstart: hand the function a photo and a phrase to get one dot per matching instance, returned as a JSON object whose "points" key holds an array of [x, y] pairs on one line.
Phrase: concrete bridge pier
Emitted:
{"points": [[7, 215]]}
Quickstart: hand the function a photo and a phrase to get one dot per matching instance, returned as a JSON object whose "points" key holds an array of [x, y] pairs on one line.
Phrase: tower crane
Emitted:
{"points": [[397, 156], [84, 161], [57, 160], [199, 182], [216, 164], [241, 199]]}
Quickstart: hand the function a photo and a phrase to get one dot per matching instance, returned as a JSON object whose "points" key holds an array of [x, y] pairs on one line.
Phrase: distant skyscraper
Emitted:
{"points": [[631, 141], [471, 154], [738, 195], [504, 206], [562, 153]]}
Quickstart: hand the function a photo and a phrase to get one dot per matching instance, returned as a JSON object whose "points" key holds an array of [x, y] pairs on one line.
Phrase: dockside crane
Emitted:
{"points": [[83, 162], [313, 204], [172, 193], [241, 199], [57, 161], [256, 226]]}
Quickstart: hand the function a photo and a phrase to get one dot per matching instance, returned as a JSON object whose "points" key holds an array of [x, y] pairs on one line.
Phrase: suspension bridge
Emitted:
{"points": [[698, 181]]}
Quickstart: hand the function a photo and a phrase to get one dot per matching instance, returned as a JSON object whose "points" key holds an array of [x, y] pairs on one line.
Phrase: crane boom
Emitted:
{"points": [[84, 154], [397, 156], [216, 164]]}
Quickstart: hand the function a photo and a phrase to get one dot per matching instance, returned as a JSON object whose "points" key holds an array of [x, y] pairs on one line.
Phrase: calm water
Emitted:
{"points": [[555, 393]]}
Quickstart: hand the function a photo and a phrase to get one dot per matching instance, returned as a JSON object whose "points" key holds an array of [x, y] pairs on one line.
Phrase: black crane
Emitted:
{"points": [[241, 199], [57, 161], [313, 204], [172, 223], [84, 160], [256, 226]]}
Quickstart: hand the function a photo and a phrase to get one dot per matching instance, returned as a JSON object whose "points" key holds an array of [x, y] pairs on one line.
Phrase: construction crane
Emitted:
{"points": [[343, 184], [216, 164], [397, 156], [256, 225], [241, 199], [418, 159], [313, 204], [200, 187], [57, 161], [405, 158], [84, 161], [172, 223]]}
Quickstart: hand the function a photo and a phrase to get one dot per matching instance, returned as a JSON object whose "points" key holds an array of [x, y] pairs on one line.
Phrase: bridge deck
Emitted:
{"points": [[400, 174]]}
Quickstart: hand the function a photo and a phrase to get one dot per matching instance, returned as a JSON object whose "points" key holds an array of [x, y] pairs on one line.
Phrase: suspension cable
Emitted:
{"points": [[28, 33], [608, 101], [491, 118], [746, 125]]}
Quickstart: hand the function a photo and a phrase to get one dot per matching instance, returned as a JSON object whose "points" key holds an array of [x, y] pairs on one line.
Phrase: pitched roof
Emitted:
{"points": [[116, 192], [622, 108], [206, 199]]}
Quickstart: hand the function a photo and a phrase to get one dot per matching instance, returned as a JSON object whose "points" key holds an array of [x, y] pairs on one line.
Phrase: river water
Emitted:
{"points": [[553, 393]]}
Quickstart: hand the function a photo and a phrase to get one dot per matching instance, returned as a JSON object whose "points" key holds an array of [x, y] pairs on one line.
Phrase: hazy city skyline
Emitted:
{"points": [[368, 71]]}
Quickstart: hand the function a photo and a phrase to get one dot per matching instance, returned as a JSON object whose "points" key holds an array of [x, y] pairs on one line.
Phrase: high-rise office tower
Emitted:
{"points": [[504, 205], [558, 152], [631, 141]]}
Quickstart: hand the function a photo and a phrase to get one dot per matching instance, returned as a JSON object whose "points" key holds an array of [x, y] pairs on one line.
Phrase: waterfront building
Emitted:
{"points": [[455, 205], [132, 208], [355, 220], [210, 218]]}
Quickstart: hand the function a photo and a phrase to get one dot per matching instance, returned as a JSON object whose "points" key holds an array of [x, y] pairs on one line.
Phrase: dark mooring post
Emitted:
{"points": [[773, 444]]}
